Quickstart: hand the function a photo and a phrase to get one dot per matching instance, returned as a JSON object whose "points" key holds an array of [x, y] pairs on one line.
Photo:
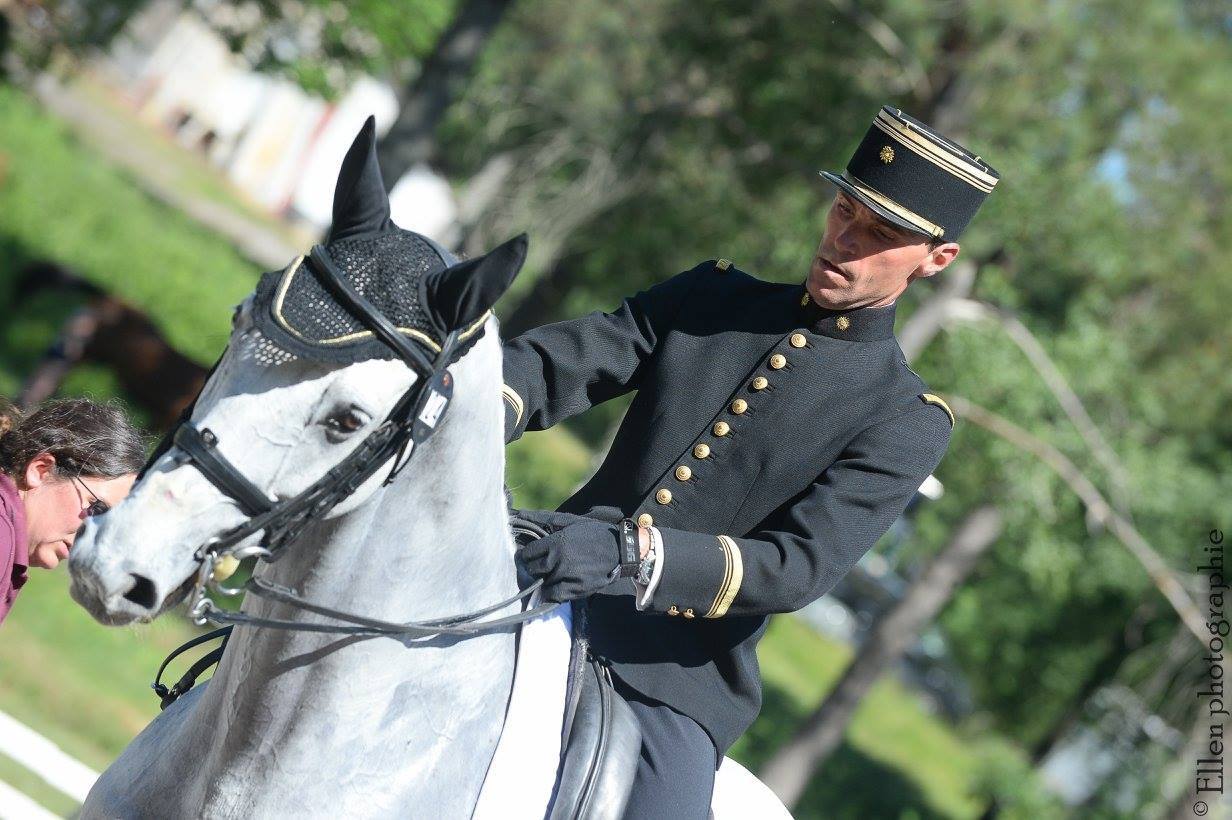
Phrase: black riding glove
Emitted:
{"points": [[575, 561]]}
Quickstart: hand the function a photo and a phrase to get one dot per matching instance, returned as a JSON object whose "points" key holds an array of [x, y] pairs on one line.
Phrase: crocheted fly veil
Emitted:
{"points": [[296, 313]]}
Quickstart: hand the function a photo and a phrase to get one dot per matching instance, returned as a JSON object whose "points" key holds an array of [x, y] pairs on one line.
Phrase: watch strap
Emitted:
{"points": [[630, 551]]}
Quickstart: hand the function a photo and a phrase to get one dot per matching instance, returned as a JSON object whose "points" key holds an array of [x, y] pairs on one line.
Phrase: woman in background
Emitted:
{"points": [[66, 460]]}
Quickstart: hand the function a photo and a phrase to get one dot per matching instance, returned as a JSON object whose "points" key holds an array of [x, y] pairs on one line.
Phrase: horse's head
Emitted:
{"points": [[302, 384]]}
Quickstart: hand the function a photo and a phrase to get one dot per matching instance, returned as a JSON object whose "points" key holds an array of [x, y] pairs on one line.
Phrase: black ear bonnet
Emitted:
{"points": [[296, 313]]}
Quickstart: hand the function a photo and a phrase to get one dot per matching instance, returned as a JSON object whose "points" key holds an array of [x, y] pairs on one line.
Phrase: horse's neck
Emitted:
{"points": [[327, 703]]}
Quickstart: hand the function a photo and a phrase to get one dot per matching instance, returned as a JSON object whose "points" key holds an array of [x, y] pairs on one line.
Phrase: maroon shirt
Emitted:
{"points": [[14, 557]]}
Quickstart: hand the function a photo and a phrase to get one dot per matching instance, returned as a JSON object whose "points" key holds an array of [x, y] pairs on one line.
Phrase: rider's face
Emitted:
{"points": [[863, 260]]}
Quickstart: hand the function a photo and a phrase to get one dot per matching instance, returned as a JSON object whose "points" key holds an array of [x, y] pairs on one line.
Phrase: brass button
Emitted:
{"points": [[842, 323], [645, 520], [683, 472], [663, 496], [778, 361], [798, 340], [672, 610], [721, 428], [723, 264], [739, 406], [688, 613], [760, 383], [701, 451]]}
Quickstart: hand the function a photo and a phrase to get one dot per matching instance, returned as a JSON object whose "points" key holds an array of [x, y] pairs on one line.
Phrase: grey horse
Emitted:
{"points": [[301, 724]]}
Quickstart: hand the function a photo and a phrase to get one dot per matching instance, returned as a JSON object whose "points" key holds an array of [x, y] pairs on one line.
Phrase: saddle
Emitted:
{"points": [[601, 738]]}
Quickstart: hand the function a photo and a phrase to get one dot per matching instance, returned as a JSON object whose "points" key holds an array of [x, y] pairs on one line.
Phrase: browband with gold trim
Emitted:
{"points": [[427, 340]]}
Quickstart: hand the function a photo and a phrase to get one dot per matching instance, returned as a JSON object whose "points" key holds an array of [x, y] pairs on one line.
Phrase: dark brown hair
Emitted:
{"points": [[85, 438]]}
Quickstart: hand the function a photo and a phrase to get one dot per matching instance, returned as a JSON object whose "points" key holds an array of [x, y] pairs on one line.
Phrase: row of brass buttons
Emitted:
{"points": [[675, 610], [721, 428]]}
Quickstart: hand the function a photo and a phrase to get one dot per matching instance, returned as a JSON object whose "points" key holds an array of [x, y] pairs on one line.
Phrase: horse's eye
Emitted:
{"points": [[344, 422]]}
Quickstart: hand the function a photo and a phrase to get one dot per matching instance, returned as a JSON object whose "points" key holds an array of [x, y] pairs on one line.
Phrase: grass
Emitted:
{"points": [[60, 202], [34, 787], [83, 686], [896, 757]]}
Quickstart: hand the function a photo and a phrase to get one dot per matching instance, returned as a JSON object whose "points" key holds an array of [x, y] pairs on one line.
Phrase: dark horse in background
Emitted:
{"points": [[106, 331]]}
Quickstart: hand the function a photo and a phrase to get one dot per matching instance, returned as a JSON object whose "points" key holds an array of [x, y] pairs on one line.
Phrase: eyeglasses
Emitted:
{"points": [[97, 506]]}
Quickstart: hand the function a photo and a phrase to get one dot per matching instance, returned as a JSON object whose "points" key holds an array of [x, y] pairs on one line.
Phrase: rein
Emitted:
{"points": [[414, 417]]}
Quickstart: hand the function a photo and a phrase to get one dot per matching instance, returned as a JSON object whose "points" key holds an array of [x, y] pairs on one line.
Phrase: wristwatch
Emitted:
{"points": [[645, 568], [629, 549]]}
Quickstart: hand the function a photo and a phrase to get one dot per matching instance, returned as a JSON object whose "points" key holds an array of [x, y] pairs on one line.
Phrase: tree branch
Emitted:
{"points": [[1057, 384], [1160, 574]]}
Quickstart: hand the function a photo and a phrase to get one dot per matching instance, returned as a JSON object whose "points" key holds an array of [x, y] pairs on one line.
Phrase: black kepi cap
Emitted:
{"points": [[916, 178]]}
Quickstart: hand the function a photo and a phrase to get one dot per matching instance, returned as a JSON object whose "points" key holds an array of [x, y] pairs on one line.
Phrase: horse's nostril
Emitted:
{"points": [[142, 592]]}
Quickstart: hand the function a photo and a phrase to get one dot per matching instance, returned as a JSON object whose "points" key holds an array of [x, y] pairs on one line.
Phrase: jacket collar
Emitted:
{"points": [[866, 324]]}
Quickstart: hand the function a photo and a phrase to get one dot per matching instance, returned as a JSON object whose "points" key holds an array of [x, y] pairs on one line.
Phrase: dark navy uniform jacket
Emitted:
{"points": [[771, 442]]}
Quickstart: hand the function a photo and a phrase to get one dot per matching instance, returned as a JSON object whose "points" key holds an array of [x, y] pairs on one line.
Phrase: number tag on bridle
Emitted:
{"points": [[432, 405]]}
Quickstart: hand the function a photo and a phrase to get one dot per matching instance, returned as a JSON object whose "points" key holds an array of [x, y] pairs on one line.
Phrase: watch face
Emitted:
{"points": [[644, 571]]}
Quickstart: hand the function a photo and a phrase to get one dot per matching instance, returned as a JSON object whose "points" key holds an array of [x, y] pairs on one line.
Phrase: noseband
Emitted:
{"points": [[415, 416]]}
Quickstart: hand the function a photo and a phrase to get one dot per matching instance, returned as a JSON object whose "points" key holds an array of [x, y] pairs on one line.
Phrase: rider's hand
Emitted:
{"points": [[575, 561]]}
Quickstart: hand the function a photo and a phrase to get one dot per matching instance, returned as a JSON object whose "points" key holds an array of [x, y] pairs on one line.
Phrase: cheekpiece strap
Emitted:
{"points": [[200, 446]]}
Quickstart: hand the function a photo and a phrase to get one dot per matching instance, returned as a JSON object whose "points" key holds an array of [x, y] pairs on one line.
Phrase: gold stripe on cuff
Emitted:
{"points": [[733, 576], [515, 401]]}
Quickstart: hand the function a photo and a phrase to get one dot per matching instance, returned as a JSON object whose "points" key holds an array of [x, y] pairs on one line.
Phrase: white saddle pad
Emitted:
{"points": [[522, 775]]}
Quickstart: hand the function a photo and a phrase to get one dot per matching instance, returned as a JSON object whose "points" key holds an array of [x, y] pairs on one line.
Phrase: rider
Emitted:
{"points": [[65, 460], [776, 434]]}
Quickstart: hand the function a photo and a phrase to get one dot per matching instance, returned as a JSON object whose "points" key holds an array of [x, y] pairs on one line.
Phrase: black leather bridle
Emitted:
{"points": [[415, 416]]}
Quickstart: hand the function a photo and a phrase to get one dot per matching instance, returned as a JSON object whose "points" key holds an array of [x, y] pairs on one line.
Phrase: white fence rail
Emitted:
{"points": [[46, 760]]}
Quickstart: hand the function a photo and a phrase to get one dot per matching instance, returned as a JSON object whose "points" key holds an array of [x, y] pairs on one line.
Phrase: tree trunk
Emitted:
{"points": [[789, 771], [412, 139], [1102, 672]]}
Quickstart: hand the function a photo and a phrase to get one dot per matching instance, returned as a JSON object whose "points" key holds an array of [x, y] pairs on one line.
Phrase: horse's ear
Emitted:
{"points": [[361, 204], [459, 295]]}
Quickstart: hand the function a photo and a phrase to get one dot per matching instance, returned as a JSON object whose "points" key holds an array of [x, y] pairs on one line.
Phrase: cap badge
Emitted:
{"points": [[887, 154]]}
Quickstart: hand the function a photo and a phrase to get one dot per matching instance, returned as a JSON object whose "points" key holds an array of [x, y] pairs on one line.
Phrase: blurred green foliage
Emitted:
{"points": [[324, 44]]}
